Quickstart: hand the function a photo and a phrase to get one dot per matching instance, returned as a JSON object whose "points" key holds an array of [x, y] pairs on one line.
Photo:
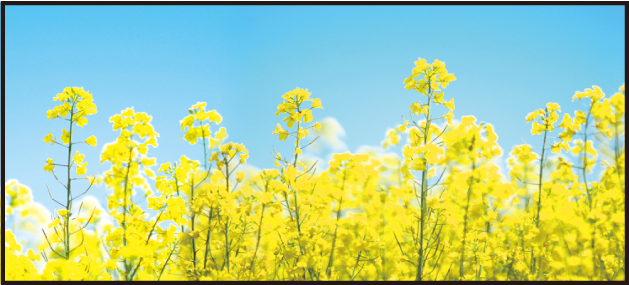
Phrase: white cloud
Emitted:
{"points": [[91, 203], [309, 160], [377, 152], [330, 137], [249, 170]]}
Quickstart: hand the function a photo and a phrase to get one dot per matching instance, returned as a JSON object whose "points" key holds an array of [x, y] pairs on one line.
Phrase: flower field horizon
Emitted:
{"points": [[446, 200]]}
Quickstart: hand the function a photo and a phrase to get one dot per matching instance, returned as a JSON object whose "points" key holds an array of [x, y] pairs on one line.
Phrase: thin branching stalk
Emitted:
{"points": [[147, 242], [357, 260], [226, 260], [539, 197], [69, 192], [585, 183], [420, 261], [208, 239], [338, 216], [166, 263], [467, 205], [124, 219], [251, 269], [194, 243]]}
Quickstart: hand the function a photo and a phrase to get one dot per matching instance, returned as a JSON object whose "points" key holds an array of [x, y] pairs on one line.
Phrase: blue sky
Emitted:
{"points": [[508, 60]]}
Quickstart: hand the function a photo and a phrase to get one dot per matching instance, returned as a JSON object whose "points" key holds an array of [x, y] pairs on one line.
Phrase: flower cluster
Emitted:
{"points": [[441, 211]]}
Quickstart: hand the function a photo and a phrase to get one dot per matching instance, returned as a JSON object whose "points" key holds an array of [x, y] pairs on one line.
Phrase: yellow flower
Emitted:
{"points": [[49, 166], [556, 147], [281, 132], [219, 138], [62, 213], [165, 167], [402, 128], [449, 116], [78, 158], [32, 256], [537, 128], [66, 136], [214, 116], [81, 121], [532, 116], [292, 118], [156, 203], [81, 169], [317, 126], [524, 153], [240, 176], [316, 103], [449, 104], [48, 138], [553, 107], [200, 106], [187, 122], [91, 141], [54, 223]]}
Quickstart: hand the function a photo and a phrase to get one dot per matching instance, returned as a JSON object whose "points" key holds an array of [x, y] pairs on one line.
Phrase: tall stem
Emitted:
{"points": [[301, 249], [467, 206], [208, 238], [295, 190], [357, 261], [383, 253], [541, 173], [617, 156], [227, 218], [69, 192], [585, 145], [192, 191], [124, 216], [539, 195], [204, 147], [585, 166], [338, 216], [257, 243], [194, 243], [424, 190]]}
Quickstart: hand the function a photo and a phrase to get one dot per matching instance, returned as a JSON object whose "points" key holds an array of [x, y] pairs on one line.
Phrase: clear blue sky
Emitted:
{"points": [[508, 60]]}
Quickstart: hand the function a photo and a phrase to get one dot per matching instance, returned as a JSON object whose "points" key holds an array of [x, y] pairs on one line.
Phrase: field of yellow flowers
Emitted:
{"points": [[442, 212]]}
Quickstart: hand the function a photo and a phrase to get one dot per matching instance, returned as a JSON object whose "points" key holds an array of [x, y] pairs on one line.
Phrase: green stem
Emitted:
{"points": [[539, 196], [541, 175], [480, 268], [357, 260], [424, 190], [166, 263], [69, 192], [124, 216], [227, 218], [208, 238], [338, 216], [259, 236], [194, 244], [301, 249], [617, 157], [585, 145], [383, 254], [147, 242], [295, 190], [467, 206], [204, 149], [177, 189]]}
